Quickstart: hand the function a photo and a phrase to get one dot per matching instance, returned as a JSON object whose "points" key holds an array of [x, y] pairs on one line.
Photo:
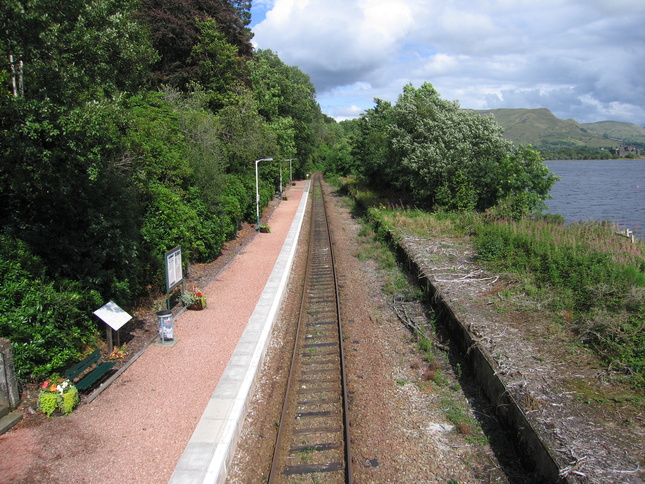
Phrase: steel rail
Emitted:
{"points": [[315, 405]]}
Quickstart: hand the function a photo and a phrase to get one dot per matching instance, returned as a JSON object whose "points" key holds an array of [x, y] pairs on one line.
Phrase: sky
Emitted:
{"points": [[582, 59]]}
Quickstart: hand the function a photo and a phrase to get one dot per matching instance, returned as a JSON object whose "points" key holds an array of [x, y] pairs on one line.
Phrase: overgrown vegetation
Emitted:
{"points": [[584, 271], [128, 128], [587, 269], [48, 322]]}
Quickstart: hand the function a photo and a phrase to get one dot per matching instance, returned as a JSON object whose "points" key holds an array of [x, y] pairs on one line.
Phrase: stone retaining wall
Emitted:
{"points": [[484, 369], [9, 395]]}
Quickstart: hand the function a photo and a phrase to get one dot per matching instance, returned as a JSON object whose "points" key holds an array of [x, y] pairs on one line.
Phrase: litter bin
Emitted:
{"points": [[166, 330]]}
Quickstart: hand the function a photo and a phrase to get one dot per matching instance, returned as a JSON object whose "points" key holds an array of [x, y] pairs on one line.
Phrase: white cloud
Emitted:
{"points": [[579, 58]]}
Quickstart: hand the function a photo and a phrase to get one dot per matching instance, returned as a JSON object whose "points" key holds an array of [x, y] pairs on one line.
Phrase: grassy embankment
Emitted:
{"points": [[584, 272]]}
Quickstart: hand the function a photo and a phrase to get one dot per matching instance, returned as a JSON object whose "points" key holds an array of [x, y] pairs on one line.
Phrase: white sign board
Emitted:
{"points": [[113, 315], [173, 268]]}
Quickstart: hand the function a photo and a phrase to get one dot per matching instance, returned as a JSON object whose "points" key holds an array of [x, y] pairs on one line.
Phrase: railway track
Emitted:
{"points": [[313, 442]]}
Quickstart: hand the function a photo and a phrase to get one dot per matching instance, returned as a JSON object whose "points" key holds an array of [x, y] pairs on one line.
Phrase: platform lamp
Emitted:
{"points": [[290, 171], [257, 192]]}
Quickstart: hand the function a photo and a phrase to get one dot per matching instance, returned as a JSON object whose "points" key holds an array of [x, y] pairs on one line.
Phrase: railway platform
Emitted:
{"points": [[210, 450]]}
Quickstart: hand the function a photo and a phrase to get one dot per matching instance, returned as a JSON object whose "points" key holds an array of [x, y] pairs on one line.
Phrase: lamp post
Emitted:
{"points": [[257, 192], [280, 181], [290, 173]]}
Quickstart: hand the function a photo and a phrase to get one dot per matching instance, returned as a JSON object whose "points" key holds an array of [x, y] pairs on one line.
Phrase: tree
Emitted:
{"points": [[67, 193], [334, 147], [74, 50], [285, 92], [371, 142], [175, 31], [220, 68], [446, 157]]}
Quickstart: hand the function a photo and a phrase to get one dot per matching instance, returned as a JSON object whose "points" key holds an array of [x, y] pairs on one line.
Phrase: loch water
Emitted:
{"points": [[600, 190]]}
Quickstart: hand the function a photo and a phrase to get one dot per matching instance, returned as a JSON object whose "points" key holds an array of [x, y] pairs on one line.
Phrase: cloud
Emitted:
{"points": [[336, 42], [579, 58]]}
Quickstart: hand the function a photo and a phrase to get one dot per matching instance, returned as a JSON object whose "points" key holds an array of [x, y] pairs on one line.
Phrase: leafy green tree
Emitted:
{"points": [[524, 182], [286, 93], [220, 67], [431, 139], [245, 135], [175, 32], [155, 142], [446, 157], [370, 146], [159, 141], [62, 185], [334, 147], [66, 195], [203, 149], [75, 50]]}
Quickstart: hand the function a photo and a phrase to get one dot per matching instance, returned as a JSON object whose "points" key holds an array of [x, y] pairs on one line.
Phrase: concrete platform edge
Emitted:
{"points": [[210, 450]]}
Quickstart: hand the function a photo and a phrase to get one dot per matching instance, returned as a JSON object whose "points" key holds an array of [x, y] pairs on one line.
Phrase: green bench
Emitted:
{"points": [[93, 376]]}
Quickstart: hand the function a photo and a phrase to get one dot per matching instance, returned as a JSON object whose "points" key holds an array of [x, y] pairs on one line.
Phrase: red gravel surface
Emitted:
{"points": [[137, 429]]}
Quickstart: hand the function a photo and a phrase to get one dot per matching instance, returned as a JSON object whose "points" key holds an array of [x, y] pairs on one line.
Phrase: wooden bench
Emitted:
{"points": [[90, 378]]}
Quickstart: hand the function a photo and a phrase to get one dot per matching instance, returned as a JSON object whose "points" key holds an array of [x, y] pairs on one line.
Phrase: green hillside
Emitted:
{"points": [[614, 130], [543, 130]]}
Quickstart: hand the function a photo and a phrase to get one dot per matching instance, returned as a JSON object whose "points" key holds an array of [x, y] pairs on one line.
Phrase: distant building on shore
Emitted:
{"points": [[625, 150]]}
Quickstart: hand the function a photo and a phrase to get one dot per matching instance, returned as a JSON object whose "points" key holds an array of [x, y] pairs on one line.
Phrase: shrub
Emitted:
{"points": [[48, 325]]}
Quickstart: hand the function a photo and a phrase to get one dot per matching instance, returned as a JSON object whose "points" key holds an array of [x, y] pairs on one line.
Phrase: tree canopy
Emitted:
{"points": [[441, 156], [128, 127]]}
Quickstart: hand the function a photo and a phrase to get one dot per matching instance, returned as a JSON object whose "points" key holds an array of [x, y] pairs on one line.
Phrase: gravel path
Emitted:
{"points": [[137, 429]]}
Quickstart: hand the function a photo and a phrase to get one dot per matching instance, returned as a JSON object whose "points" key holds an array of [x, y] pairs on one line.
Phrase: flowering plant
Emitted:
{"points": [[119, 352], [58, 394], [194, 299]]}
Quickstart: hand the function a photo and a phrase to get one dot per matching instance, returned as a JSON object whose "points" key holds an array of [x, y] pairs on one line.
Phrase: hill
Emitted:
{"points": [[542, 129], [615, 130]]}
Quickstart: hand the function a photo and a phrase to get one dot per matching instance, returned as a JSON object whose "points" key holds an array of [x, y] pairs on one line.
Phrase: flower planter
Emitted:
{"points": [[199, 304], [57, 397]]}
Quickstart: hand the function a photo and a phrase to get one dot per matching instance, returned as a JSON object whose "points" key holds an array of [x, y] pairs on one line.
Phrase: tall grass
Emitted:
{"points": [[588, 269], [579, 258]]}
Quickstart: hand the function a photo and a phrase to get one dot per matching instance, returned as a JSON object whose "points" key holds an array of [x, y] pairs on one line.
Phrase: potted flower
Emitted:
{"points": [[57, 394], [194, 300]]}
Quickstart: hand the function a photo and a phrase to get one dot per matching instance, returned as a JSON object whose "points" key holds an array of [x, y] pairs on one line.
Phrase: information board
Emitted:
{"points": [[113, 315], [173, 268]]}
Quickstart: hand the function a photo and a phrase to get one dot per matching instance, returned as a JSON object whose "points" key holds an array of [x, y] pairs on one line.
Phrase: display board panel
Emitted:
{"points": [[112, 315], [174, 273]]}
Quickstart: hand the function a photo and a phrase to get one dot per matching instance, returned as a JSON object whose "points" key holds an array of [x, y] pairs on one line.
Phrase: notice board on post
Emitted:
{"points": [[114, 317], [173, 268]]}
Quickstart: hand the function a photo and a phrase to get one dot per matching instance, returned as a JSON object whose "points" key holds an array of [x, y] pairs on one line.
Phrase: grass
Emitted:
{"points": [[589, 272]]}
